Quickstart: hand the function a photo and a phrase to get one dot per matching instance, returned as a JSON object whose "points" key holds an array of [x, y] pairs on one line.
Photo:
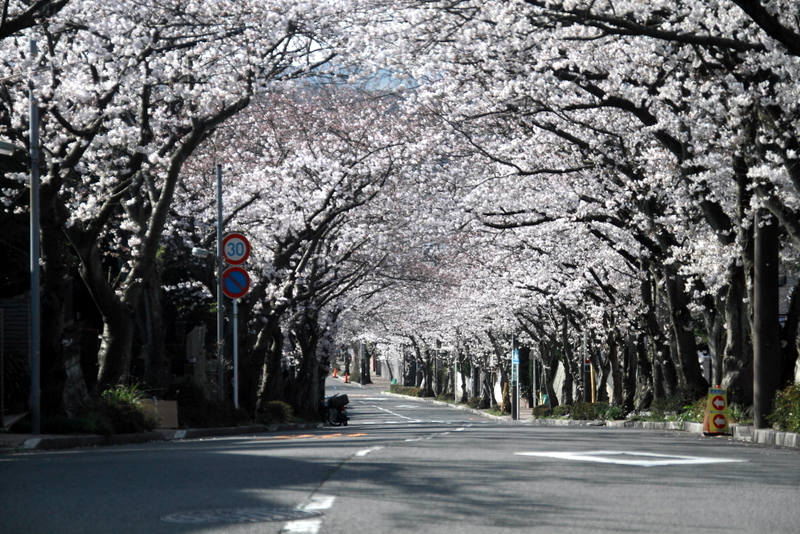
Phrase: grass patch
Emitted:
{"points": [[405, 390]]}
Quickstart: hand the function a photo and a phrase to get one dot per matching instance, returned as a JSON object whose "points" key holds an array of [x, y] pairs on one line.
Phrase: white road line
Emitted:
{"points": [[396, 414], [310, 526], [367, 451], [319, 502], [639, 459], [303, 526]]}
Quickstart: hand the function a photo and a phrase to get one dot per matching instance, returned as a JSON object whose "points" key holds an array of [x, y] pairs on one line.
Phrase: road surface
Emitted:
{"points": [[404, 466]]}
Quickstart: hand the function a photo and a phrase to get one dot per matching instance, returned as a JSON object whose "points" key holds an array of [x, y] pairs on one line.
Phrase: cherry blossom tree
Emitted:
{"points": [[649, 102], [301, 184], [128, 92]]}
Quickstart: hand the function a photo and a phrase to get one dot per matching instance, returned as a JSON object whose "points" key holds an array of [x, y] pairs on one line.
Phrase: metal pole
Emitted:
{"points": [[35, 253], [535, 396], [519, 382], [586, 378], [236, 353], [362, 363], [2, 370], [514, 379], [220, 296]]}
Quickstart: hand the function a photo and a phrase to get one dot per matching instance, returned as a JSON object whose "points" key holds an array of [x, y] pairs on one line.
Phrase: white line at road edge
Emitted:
{"points": [[310, 526], [367, 451], [639, 459], [397, 414]]}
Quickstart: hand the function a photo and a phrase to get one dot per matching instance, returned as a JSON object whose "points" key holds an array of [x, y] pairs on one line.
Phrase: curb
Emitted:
{"points": [[49, 443], [738, 432], [195, 433], [448, 405]]}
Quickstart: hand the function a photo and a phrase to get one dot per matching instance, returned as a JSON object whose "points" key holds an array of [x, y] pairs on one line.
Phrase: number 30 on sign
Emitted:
{"points": [[235, 249]]}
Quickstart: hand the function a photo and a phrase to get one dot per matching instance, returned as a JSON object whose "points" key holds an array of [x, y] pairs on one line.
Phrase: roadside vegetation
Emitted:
{"points": [[786, 412]]}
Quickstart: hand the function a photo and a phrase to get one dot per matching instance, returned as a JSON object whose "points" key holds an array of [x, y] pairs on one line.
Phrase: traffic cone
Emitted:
{"points": [[335, 372], [347, 378]]}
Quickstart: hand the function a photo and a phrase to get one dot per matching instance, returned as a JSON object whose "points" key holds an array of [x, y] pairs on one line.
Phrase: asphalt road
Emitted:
{"points": [[403, 466]]}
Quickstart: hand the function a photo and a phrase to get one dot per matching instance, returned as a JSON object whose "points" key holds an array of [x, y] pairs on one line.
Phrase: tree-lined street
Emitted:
{"points": [[402, 465]]}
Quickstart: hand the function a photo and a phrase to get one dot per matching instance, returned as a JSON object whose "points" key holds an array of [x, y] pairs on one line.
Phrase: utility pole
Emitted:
{"points": [[766, 328]]}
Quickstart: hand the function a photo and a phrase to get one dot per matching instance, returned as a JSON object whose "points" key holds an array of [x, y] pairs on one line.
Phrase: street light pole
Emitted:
{"points": [[220, 296], [35, 253]]}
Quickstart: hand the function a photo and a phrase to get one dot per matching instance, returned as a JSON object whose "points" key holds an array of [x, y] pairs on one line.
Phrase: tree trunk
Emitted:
{"points": [[487, 390], [158, 369], [305, 395], [737, 361], [629, 389], [644, 374], [615, 369], [55, 285], [654, 341], [789, 339], [550, 368], [690, 375], [462, 363]]}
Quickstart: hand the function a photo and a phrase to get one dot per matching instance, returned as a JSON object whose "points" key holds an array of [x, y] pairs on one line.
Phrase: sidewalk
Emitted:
{"points": [[29, 442], [738, 432]]}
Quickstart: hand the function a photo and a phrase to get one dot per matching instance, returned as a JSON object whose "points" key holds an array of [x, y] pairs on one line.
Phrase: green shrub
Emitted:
{"points": [[675, 406], [541, 411], [118, 411], [786, 409], [582, 411], [600, 409], [740, 414], [405, 390], [475, 402], [446, 397], [562, 410], [355, 373], [614, 413], [274, 412], [695, 412], [663, 407]]}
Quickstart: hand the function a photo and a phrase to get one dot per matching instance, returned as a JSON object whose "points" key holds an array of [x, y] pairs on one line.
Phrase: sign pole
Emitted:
{"points": [[236, 353], [235, 249]]}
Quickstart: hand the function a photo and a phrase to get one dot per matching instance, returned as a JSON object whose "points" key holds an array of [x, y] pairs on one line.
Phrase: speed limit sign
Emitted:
{"points": [[235, 249]]}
